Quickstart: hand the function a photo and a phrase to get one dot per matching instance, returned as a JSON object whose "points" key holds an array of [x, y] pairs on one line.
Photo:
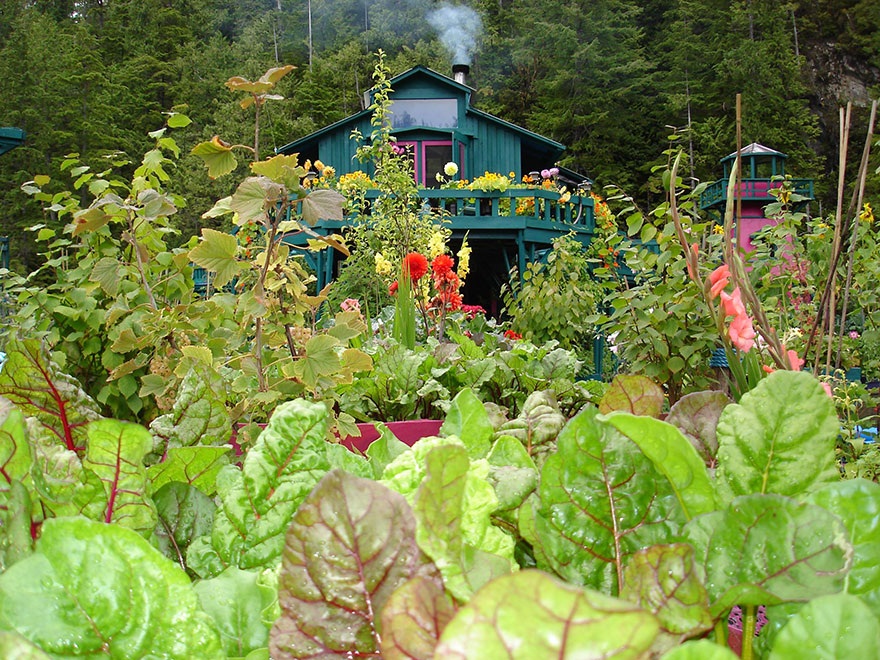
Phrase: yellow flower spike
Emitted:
{"points": [[383, 266], [464, 260], [436, 245]]}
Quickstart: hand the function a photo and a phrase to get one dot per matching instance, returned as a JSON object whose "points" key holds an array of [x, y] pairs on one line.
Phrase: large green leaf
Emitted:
{"points": [[350, 545], [601, 501], [461, 551], [662, 580], [196, 466], [258, 500], [15, 647], [16, 523], [468, 419], [217, 155], [321, 359], [64, 486], [537, 426], [634, 394], [282, 168], [857, 503], [107, 272], [384, 450], [700, 649], [234, 599], [530, 615], [832, 626], [95, 589], [34, 384], [185, 513], [322, 205], [216, 253], [253, 196], [115, 453], [766, 549], [779, 438], [696, 416], [413, 619], [674, 457]]}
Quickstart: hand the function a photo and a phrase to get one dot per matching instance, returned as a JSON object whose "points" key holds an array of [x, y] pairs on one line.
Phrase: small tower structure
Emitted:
{"points": [[763, 169]]}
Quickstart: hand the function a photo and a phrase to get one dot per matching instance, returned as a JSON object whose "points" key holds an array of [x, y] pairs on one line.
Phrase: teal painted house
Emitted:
{"points": [[432, 117], [10, 137]]}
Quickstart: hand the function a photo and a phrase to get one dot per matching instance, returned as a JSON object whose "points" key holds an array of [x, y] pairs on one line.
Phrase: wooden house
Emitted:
{"points": [[433, 118]]}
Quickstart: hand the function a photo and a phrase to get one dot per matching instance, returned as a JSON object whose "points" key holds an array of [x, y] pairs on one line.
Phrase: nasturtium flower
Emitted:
{"points": [[450, 169]]}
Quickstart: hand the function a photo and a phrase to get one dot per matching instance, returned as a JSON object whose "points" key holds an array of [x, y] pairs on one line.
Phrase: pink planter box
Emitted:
{"points": [[408, 432]]}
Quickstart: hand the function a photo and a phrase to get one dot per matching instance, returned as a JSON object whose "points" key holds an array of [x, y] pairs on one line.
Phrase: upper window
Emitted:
{"points": [[433, 113]]}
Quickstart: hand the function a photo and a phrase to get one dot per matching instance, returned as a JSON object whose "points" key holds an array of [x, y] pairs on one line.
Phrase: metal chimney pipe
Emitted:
{"points": [[460, 72]]}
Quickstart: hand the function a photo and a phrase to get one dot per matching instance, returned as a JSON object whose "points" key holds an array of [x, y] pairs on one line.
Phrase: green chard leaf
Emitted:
{"points": [[413, 619], [531, 615], [258, 500], [93, 589], [767, 549], [662, 580], [638, 395], [34, 384], [468, 419], [537, 426], [384, 450], [350, 545], [196, 466], [15, 647], [779, 438], [700, 649], [696, 416], [234, 599], [602, 500], [185, 513]]}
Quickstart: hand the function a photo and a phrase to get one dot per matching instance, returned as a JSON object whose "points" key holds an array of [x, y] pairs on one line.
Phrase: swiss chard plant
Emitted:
{"points": [[608, 533]]}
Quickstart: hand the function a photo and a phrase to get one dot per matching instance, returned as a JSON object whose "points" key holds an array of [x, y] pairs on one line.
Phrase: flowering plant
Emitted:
{"points": [[492, 181]]}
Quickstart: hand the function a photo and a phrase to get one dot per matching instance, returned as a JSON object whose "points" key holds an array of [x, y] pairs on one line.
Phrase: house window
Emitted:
{"points": [[429, 158], [429, 113]]}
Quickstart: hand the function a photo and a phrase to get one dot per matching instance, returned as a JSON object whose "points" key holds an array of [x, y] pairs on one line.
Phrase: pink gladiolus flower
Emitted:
{"points": [[719, 278], [732, 304], [795, 361], [741, 332], [827, 388]]}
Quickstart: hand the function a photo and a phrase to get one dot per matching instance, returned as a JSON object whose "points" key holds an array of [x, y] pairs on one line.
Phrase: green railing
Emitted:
{"points": [[753, 189]]}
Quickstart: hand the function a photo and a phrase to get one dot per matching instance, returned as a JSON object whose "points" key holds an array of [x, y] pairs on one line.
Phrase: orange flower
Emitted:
{"points": [[442, 264], [719, 279], [416, 265]]}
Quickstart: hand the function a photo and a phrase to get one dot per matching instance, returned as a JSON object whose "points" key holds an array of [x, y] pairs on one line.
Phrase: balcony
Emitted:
{"points": [[756, 190]]}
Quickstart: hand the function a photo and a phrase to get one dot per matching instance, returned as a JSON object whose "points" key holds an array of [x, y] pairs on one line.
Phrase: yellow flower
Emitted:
{"points": [[383, 266], [867, 214], [328, 172], [319, 166], [718, 229], [464, 260], [436, 245]]}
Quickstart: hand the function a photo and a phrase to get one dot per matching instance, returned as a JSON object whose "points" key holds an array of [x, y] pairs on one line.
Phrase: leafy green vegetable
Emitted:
{"points": [[196, 466], [696, 416], [413, 619], [258, 500], [92, 588], [16, 486], [185, 513], [832, 626], [634, 394], [350, 545], [467, 419], [765, 549], [537, 426], [531, 615], [15, 647], [601, 501], [384, 450], [779, 438], [235, 600], [701, 649]]}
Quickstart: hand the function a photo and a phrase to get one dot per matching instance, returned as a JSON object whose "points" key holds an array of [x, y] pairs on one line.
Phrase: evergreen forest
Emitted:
{"points": [[610, 79]]}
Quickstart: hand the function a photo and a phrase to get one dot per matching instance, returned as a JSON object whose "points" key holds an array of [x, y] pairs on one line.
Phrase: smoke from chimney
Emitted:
{"points": [[457, 27]]}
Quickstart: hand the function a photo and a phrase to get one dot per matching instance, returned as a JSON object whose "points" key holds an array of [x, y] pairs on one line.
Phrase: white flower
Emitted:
{"points": [[450, 169]]}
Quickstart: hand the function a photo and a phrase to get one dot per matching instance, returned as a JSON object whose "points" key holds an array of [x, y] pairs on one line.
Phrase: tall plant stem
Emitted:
{"points": [[748, 633], [258, 323]]}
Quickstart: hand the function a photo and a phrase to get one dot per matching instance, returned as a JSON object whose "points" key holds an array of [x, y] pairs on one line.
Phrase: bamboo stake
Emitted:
{"points": [[855, 206]]}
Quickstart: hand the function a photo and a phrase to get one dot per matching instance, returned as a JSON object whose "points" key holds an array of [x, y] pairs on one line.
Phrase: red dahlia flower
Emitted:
{"points": [[416, 265]]}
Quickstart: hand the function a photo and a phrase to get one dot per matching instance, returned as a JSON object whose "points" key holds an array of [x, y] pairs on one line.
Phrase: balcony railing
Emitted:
{"points": [[752, 189]]}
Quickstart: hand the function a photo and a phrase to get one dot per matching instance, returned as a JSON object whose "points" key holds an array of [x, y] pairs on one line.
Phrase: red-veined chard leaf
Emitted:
{"points": [[196, 466], [115, 453], [767, 549], [537, 425], [454, 527], [413, 619], [779, 438], [531, 615], [634, 394], [198, 416], [235, 600], [185, 513], [832, 626], [258, 500], [857, 503], [468, 419], [350, 545], [94, 589], [662, 580], [33, 383], [674, 457], [696, 416], [601, 501], [16, 487]]}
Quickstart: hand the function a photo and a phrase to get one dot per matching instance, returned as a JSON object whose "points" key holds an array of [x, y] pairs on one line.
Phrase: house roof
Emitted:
{"points": [[755, 149], [308, 141], [10, 138]]}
